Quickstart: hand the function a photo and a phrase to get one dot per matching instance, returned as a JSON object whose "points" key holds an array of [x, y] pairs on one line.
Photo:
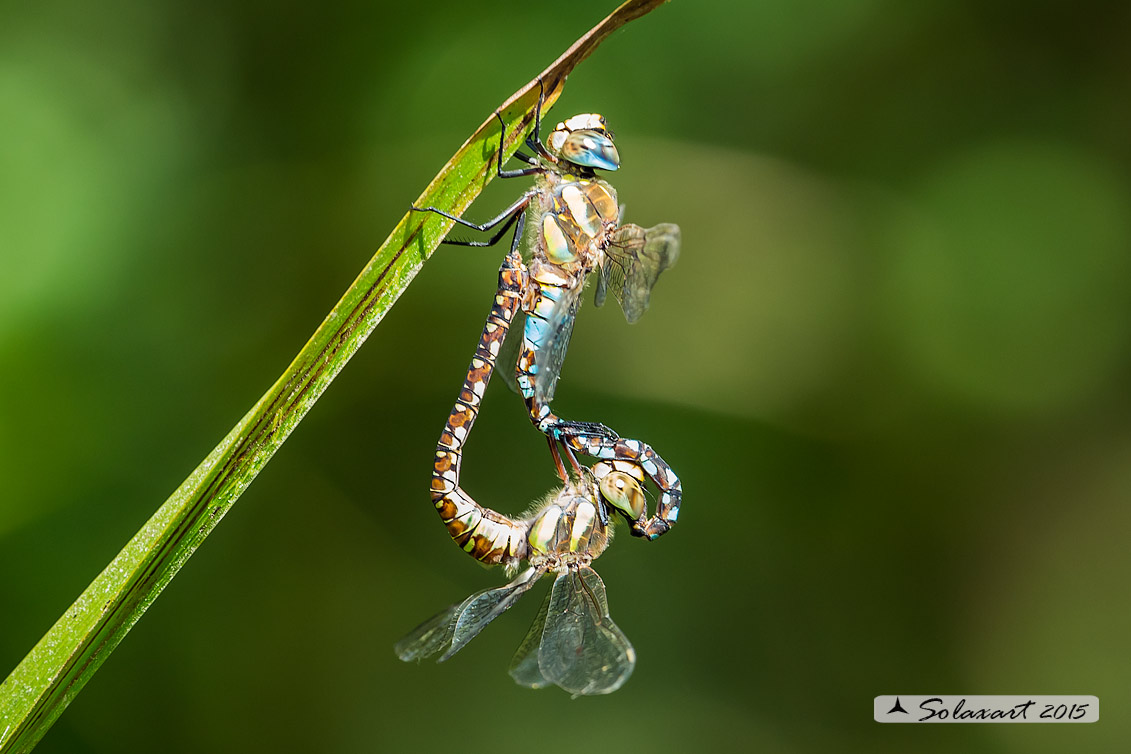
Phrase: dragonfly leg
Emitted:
{"points": [[534, 140], [561, 469], [490, 241], [534, 168], [488, 536], [577, 468], [507, 215]]}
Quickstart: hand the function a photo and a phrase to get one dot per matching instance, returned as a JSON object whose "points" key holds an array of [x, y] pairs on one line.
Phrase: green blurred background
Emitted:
{"points": [[891, 366]]}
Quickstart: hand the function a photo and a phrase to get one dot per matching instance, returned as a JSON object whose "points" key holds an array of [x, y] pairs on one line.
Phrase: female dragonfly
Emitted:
{"points": [[572, 220], [573, 642]]}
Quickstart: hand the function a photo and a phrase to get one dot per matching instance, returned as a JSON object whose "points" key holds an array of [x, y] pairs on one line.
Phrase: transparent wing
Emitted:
{"points": [[524, 665], [582, 650], [555, 342], [633, 263], [449, 631], [431, 637], [507, 359]]}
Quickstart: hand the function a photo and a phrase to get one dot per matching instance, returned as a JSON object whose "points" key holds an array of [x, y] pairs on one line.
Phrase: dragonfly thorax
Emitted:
{"points": [[569, 530], [577, 216]]}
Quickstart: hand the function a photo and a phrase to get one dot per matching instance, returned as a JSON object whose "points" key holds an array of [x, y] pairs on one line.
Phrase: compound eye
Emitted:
{"points": [[590, 149], [623, 493]]}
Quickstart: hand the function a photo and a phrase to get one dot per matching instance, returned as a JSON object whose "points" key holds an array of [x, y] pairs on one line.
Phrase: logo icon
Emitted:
{"points": [[898, 708]]}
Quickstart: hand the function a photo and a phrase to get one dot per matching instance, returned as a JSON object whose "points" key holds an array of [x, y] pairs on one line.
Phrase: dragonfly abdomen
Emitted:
{"points": [[486, 535]]}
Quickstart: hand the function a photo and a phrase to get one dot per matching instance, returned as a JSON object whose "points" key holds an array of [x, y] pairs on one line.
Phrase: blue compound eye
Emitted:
{"points": [[590, 149]]}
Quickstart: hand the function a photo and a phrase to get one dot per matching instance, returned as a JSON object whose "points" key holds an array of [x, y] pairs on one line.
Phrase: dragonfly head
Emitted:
{"points": [[585, 141]]}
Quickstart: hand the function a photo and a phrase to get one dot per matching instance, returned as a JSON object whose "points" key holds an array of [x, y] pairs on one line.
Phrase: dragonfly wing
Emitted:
{"points": [[507, 359], [553, 346], [524, 665], [449, 630], [483, 607], [601, 289], [431, 637], [582, 650], [633, 263]]}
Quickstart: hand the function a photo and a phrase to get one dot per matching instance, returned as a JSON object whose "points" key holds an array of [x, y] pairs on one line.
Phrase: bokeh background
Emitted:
{"points": [[891, 366]]}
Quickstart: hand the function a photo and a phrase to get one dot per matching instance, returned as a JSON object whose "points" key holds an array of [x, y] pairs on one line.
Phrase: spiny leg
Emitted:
{"points": [[534, 140], [536, 144], [507, 215], [449, 241], [534, 168]]}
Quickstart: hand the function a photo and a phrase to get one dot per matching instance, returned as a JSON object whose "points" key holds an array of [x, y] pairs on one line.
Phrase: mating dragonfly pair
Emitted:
{"points": [[566, 227]]}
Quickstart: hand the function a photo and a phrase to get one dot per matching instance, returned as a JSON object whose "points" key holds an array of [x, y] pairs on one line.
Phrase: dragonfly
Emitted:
{"points": [[568, 224], [573, 642]]}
